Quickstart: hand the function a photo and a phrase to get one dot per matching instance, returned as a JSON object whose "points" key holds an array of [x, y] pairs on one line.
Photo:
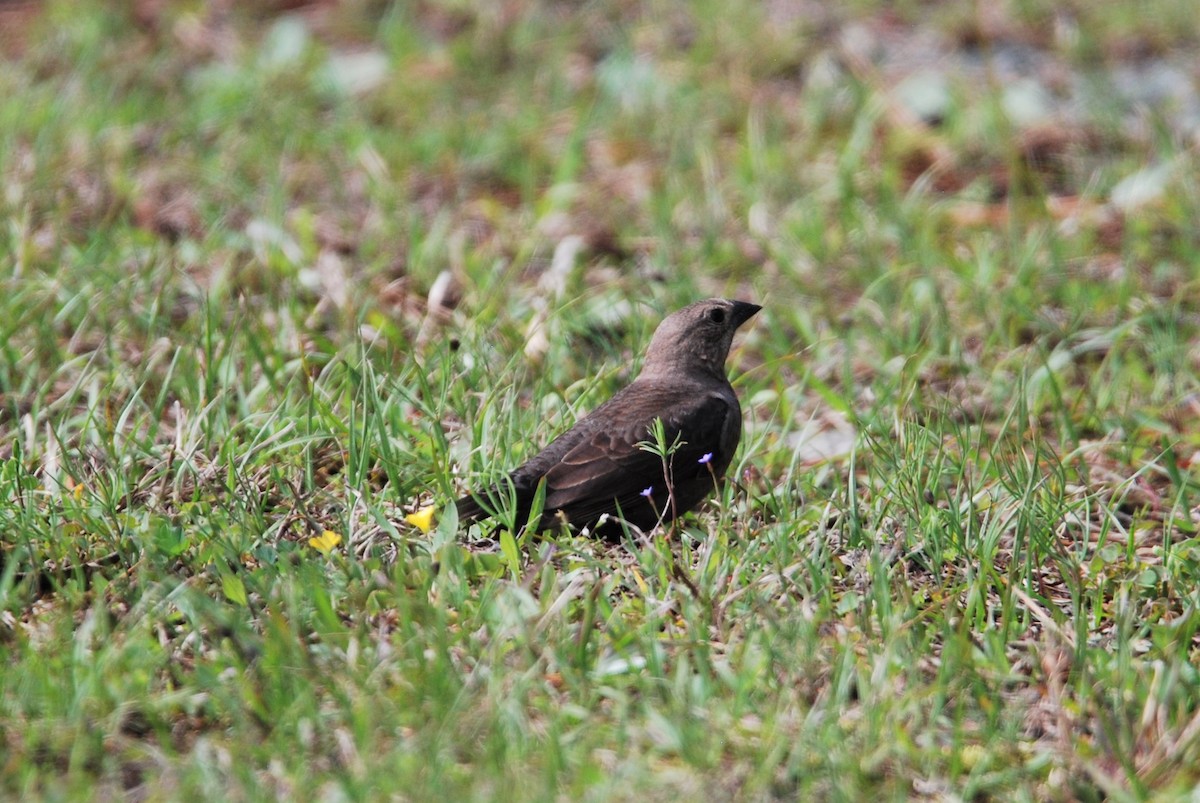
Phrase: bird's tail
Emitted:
{"points": [[493, 501], [469, 510]]}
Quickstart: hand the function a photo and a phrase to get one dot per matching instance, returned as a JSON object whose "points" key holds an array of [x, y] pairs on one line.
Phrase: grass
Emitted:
{"points": [[246, 303]]}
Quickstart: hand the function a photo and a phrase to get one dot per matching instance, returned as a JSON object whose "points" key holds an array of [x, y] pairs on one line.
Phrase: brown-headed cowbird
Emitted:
{"points": [[597, 470]]}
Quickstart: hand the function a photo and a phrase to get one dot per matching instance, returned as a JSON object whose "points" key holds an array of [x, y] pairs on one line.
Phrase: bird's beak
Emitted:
{"points": [[742, 311]]}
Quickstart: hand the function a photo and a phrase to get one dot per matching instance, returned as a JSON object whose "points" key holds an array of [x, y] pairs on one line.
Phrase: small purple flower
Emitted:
{"points": [[646, 493], [706, 459]]}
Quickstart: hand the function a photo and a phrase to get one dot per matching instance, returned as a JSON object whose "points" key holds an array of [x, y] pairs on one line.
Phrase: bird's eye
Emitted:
{"points": [[716, 315]]}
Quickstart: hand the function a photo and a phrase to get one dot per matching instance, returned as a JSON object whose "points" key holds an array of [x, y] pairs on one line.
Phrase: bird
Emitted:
{"points": [[599, 472]]}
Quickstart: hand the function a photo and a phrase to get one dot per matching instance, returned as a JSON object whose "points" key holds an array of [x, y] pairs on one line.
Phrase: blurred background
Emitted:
{"points": [[890, 162]]}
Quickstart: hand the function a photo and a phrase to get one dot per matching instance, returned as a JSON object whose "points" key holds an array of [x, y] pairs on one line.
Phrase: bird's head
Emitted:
{"points": [[696, 338]]}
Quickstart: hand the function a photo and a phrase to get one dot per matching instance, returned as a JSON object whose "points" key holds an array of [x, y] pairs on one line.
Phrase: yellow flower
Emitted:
{"points": [[423, 518], [325, 542], [641, 584], [971, 755]]}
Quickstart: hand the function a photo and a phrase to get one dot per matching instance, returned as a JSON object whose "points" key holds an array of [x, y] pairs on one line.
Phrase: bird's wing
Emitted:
{"points": [[607, 463]]}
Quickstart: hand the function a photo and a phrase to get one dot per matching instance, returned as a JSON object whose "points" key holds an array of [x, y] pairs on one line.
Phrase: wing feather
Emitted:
{"points": [[609, 464]]}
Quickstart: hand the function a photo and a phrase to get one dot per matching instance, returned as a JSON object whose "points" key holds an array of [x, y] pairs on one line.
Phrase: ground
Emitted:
{"points": [[276, 275]]}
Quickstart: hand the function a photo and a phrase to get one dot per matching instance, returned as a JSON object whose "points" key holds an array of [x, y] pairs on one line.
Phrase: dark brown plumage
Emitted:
{"points": [[597, 467]]}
